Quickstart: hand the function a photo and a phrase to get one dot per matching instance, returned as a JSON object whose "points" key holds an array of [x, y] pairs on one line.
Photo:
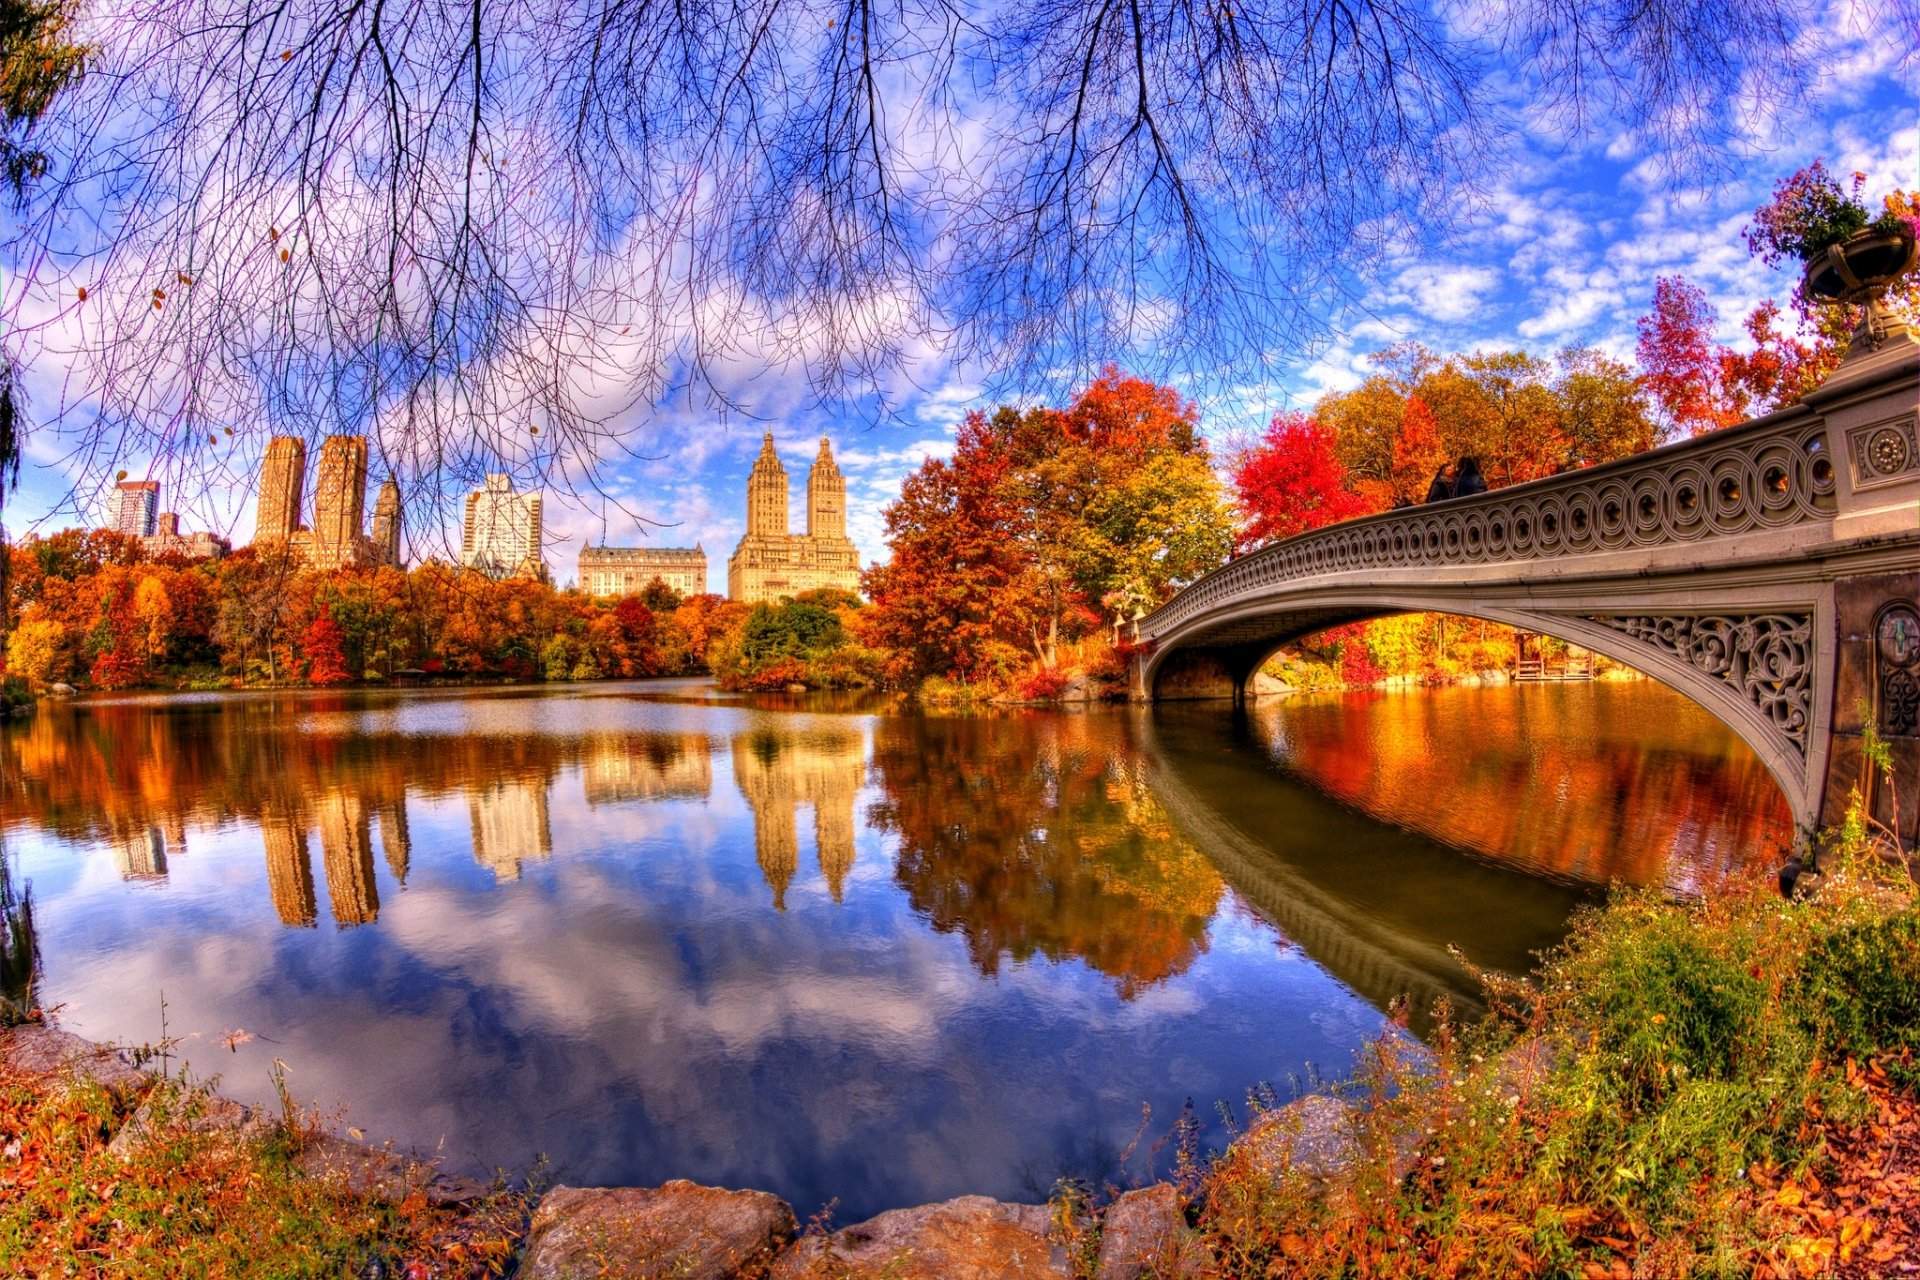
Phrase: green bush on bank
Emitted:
{"points": [[1630, 1109]]}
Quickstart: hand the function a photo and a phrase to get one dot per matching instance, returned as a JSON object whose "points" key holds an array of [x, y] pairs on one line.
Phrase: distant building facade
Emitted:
{"points": [[283, 480], [133, 508], [339, 505], [501, 533], [337, 537], [626, 571], [771, 563], [387, 525], [167, 540]]}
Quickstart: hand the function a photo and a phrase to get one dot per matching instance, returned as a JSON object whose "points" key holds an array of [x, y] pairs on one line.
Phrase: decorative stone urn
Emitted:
{"points": [[1858, 271]]}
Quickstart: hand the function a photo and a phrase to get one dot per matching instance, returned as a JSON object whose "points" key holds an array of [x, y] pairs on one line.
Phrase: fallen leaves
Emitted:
{"points": [[1865, 1221]]}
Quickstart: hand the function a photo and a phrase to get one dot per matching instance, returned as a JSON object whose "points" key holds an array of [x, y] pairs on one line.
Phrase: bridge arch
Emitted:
{"points": [[1757, 673], [1746, 568]]}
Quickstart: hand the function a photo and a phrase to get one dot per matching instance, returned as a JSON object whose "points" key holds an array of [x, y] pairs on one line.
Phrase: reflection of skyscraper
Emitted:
{"points": [[776, 776], [346, 845], [283, 477], [289, 872], [510, 825], [141, 855], [339, 503], [394, 841], [386, 525], [647, 767]]}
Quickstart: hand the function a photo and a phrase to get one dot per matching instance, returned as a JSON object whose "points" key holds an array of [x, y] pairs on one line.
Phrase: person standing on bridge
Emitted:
{"points": [[1442, 487], [1467, 478]]}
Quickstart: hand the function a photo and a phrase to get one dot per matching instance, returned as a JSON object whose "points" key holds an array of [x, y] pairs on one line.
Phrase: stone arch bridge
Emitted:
{"points": [[1769, 571]]}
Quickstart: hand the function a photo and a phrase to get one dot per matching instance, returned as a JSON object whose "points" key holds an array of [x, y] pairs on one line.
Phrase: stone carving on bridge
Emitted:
{"points": [[1780, 475], [1768, 658], [1896, 637], [1884, 452]]}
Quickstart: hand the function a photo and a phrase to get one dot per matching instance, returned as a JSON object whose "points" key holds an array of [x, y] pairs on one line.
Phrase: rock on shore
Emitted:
{"points": [[681, 1230], [971, 1238]]}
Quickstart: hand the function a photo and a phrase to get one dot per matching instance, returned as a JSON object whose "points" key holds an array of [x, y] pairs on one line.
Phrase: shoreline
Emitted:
{"points": [[1498, 1145]]}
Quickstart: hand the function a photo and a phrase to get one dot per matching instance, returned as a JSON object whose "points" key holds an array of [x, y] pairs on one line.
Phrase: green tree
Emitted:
{"points": [[1166, 524]]}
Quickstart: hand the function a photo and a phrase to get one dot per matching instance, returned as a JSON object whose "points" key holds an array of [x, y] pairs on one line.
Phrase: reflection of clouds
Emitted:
{"points": [[633, 1005]]}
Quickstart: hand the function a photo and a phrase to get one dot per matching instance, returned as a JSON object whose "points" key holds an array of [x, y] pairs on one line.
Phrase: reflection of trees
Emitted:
{"points": [[1038, 836], [1585, 783], [779, 772], [19, 948]]}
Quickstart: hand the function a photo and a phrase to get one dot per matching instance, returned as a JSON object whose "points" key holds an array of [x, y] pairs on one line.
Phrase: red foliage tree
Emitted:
{"points": [[1679, 364], [637, 648], [1131, 415], [943, 602], [1292, 481], [323, 645]]}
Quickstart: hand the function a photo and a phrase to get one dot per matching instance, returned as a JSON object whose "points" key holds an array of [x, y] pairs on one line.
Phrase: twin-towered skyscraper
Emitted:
{"points": [[770, 562], [336, 537]]}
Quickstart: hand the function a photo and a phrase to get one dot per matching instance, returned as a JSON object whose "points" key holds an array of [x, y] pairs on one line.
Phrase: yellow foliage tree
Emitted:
{"points": [[37, 649]]}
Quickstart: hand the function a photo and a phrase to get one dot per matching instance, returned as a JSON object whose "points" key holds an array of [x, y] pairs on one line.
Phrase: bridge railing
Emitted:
{"points": [[1772, 472]]}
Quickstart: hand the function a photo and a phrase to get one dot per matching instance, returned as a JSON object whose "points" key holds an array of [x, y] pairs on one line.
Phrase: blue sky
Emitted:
{"points": [[1560, 245]]}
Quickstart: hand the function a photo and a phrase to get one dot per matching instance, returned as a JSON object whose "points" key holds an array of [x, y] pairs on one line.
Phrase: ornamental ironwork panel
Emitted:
{"points": [[1767, 658]]}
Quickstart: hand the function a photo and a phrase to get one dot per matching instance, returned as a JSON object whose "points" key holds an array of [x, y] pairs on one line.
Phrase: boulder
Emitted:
{"points": [[172, 1109], [61, 689], [1262, 685], [1145, 1234], [681, 1230], [1314, 1137], [381, 1174], [971, 1238], [1077, 689], [47, 1053]]}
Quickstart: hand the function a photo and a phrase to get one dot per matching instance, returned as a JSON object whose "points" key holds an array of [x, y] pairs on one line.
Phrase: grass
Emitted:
{"points": [[208, 1204]]}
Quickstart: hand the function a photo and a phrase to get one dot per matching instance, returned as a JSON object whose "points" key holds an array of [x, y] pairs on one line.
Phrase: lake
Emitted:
{"points": [[652, 931]]}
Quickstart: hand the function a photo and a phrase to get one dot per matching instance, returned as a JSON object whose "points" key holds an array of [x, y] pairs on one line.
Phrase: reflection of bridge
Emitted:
{"points": [[1381, 918], [1768, 571]]}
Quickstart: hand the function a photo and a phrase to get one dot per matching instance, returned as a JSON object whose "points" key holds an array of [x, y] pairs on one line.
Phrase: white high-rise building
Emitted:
{"points": [[133, 508], [501, 535]]}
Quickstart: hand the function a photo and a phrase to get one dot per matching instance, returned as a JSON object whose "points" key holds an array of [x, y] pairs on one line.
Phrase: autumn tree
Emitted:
{"points": [[1043, 518], [1418, 452], [37, 649], [1679, 363], [323, 646], [1290, 482]]}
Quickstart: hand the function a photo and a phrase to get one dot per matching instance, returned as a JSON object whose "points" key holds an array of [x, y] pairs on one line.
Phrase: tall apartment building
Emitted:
{"points": [[501, 533], [283, 479], [339, 504], [771, 563], [386, 525], [133, 508], [626, 571], [337, 537]]}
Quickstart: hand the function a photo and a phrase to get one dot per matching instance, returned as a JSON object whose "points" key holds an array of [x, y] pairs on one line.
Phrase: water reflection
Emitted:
{"points": [[1038, 836], [777, 774], [884, 958], [1588, 783]]}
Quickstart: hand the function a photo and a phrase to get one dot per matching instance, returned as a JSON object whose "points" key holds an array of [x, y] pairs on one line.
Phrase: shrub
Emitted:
{"points": [[1861, 986], [1044, 684]]}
